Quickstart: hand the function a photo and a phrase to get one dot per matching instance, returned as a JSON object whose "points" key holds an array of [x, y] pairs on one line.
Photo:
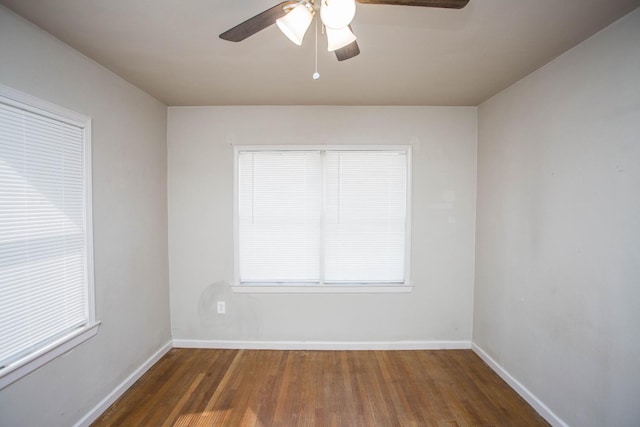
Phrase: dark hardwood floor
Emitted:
{"points": [[196, 387]]}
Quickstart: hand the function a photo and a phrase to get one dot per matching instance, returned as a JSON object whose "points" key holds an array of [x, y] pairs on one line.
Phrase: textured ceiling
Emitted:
{"points": [[409, 55]]}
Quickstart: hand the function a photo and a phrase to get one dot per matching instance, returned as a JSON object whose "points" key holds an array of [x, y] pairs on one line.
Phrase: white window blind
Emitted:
{"points": [[280, 196], [365, 216], [43, 231], [322, 216]]}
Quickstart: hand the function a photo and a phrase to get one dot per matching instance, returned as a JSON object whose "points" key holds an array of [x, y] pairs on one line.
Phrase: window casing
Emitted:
{"points": [[46, 261], [322, 218]]}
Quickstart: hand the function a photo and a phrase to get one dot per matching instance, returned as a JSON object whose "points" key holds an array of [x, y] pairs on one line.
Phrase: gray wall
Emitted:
{"points": [[557, 297], [130, 225], [558, 227], [201, 225]]}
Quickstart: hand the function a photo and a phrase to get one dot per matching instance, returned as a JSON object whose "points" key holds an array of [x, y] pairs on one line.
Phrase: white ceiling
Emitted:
{"points": [[409, 55]]}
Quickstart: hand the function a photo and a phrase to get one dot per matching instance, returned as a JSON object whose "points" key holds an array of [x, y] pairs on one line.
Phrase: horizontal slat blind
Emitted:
{"points": [[279, 208], [322, 216], [366, 193], [43, 273]]}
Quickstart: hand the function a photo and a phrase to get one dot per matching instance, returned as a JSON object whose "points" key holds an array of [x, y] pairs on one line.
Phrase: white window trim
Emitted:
{"points": [[315, 288], [32, 361], [25, 366]]}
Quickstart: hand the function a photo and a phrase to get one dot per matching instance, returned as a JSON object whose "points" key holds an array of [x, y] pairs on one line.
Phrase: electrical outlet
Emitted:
{"points": [[221, 307]]}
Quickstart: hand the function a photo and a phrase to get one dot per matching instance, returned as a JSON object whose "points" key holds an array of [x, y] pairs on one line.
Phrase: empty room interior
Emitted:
{"points": [[420, 212]]}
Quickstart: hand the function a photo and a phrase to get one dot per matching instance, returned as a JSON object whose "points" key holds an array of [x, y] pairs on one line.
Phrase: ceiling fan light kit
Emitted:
{"points": [[294, 17], [294, 24], [337, 14], [337, 39]]}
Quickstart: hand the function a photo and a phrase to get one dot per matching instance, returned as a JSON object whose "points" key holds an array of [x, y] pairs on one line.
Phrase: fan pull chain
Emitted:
{"points": [[316, 74]]}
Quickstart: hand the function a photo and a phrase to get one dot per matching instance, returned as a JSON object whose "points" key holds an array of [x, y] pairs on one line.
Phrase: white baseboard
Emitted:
{"points": [[94, 413], [325, 345], [536, 403]]}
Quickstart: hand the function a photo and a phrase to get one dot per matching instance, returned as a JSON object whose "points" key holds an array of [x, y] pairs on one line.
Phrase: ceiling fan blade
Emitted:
{"points": [[450, 4], [349, 51], [257, 23]]}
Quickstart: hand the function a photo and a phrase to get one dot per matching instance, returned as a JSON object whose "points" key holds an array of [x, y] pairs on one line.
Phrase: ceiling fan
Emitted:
{"points": [[293, 17]]}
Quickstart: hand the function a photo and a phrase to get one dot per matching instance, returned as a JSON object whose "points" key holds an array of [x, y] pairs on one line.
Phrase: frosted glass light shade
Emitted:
{"points": [[337, 39], [337, 14], [295, 23]]}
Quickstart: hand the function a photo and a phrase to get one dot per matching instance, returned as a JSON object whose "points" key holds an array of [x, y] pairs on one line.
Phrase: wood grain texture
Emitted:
{"points": [[198, 387], [257, 23], [347, 52], [449, 4]]}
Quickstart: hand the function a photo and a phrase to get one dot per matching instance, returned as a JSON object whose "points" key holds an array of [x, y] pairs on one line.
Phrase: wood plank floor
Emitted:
{"points": [[197, 387]]}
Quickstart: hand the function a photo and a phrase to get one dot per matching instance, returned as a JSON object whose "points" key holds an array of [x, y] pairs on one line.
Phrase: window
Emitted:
{"points": [[333, 218], [46, 279]]}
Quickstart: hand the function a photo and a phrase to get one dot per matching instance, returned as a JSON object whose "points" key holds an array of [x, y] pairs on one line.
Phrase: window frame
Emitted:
{"points": [[40, 356], [306, 288]]}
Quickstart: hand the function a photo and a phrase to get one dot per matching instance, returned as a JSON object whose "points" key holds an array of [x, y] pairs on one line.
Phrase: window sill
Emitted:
{"points": [[30, 363], [321, 289]]}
